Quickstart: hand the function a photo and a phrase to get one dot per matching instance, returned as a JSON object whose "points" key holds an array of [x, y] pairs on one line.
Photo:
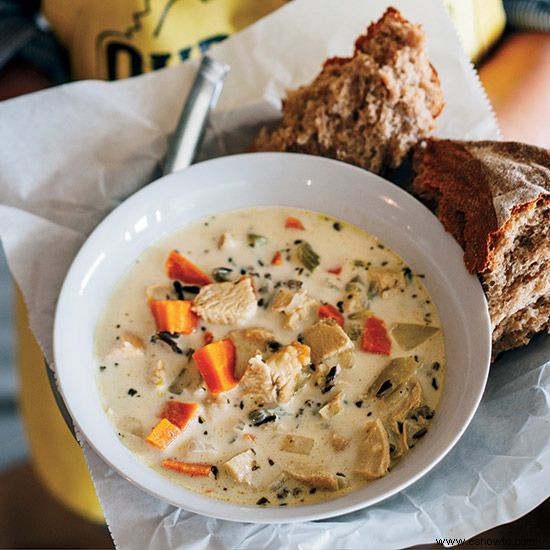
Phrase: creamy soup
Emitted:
{"points": [[271, 357]]}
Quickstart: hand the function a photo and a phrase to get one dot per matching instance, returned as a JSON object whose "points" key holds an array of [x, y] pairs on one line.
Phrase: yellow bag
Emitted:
{"points": [[116, 39], [479, 24], [56, 456]]}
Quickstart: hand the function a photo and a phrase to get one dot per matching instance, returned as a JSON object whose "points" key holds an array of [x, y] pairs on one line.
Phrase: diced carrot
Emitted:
{"points": [[174, 315], [193, 469], [179, 267], [328, 311], [208, 337], [163, 434], [335, 270], [277, 258], [179, 413], [375, 337], [216, 363], [294, 223]]}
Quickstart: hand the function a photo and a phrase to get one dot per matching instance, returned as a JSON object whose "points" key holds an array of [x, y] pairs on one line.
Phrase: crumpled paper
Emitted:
{"points": [[73, 153]]}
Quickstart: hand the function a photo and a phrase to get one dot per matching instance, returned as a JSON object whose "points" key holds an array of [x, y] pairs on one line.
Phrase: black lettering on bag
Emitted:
{"points": [[207, 42], [159, 60], [117, 50]]}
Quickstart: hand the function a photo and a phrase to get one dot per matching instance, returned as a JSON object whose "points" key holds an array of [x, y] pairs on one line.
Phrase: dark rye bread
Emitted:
{"points": [[368, 109], [494, 197]]}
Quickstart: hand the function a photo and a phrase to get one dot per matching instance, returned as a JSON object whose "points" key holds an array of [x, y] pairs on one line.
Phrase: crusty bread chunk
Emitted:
{"points": [[369, 109], [494, 197]]}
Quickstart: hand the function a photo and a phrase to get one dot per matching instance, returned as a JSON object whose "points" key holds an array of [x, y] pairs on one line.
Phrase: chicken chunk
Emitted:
{"points": [[257, 382], [249, 342], [296, 306], [286, 367], [338, 442], [332, 407], [240, 467], [298, 444], [313, 476], [387, 281], [128, 345], [374, 457], [226, 303], [274, 380], [326, 339]]}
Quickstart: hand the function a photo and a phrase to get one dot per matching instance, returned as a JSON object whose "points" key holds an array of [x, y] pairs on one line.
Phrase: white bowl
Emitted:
{"points": [[241, 181]]}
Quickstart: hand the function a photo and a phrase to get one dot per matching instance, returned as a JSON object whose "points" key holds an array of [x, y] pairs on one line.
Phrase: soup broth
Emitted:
{"points": [[270, 356]]}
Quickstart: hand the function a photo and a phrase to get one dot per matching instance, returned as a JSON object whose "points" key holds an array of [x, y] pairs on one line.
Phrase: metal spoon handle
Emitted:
{"points": [[202, 98]]}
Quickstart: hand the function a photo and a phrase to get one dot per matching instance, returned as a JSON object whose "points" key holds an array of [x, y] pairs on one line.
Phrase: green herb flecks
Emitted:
{"points": [[407, 272], [263, 416]]}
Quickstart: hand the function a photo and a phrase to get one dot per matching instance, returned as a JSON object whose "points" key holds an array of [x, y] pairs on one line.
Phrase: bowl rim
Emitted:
{"points": [[222, 509]]}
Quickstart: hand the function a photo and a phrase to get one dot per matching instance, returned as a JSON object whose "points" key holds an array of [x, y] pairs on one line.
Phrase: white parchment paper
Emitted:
{"points": [[69, 155]]}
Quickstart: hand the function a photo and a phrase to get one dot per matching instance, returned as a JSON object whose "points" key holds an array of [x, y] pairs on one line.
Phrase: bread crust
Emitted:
{"points": [[463, 204], [476, 202], [494, 198]]}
